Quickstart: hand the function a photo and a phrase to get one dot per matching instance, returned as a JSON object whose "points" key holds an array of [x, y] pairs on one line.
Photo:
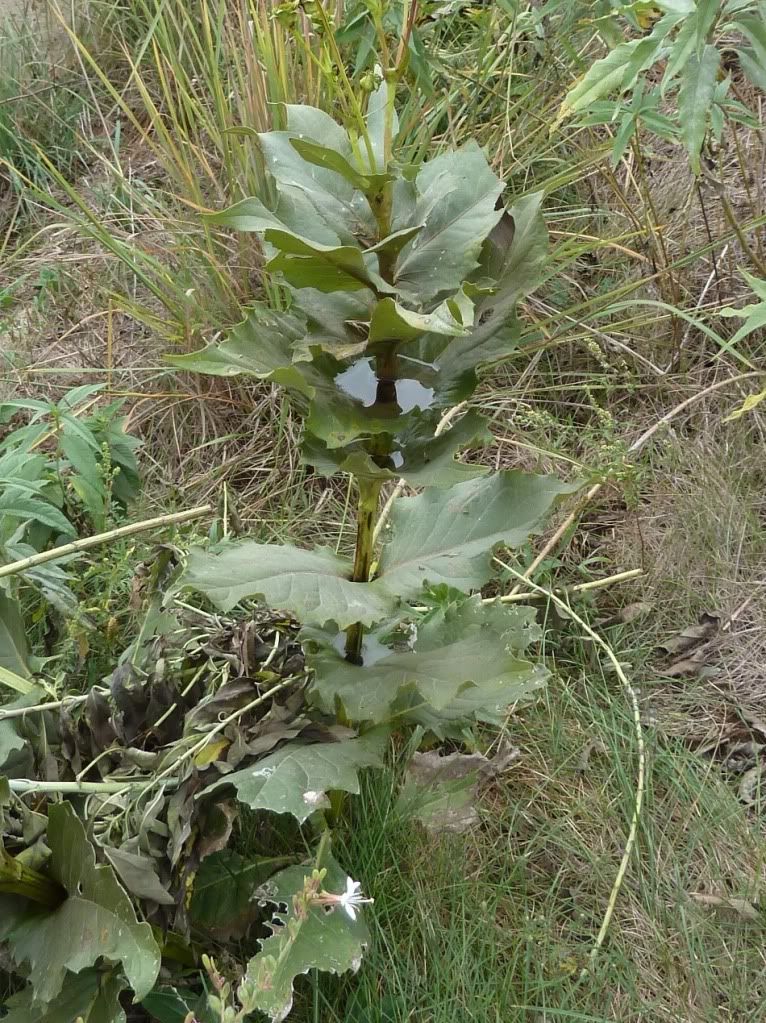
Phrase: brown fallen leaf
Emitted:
{"points": [[441, 792], [626, 614], [692, 635], [751, 786], [691, 648], [742, 907]]}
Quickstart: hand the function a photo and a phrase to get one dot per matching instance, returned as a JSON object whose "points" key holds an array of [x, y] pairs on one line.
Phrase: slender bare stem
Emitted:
{"points": [[78, 546]]}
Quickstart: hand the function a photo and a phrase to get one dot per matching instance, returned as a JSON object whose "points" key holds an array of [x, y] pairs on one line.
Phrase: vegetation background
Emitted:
{"points": [[119, 123]]}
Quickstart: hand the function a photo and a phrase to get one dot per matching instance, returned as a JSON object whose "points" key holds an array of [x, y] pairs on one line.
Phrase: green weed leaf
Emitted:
{"points": [[314, 585], [754, 315], [95, 921], [303, 939], [448, 537], [90, 996], [297, 777], [460, 650], [695, 98], [11, 737], [223, 894], [753, 60], [14, 653], [618, 71]]}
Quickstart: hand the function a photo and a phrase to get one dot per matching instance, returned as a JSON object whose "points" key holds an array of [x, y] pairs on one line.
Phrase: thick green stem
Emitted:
{"points": [[18, 879], [369, 491]]}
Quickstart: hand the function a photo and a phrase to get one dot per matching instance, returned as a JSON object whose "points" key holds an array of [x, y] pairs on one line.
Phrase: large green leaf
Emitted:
{"points": [[456, 199], [349, 260], [417, 455], [314, 585], [325, 199], [393, 322], [259, 346], [461, 652], [305, 121], [297, 777], [14, 652], [303, 939], [223, 894], [517, 268], [457, 363], [95, 921], [90, 996], [323, 156], [695, 97], [324, 267], [335, 322], [301, 254], [448, 536]]}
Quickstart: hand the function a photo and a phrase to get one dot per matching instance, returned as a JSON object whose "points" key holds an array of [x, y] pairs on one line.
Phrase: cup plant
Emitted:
{"points": [[396, 284], [391, 284]]}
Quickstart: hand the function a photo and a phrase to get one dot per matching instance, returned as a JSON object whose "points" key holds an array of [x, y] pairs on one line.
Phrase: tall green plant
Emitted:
{"points": [[399, 281]]}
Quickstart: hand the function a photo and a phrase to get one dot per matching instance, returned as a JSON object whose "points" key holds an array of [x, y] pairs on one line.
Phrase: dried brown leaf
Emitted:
{"points": [[691, 648], [693, 635], [742, 907], [626, 614]]}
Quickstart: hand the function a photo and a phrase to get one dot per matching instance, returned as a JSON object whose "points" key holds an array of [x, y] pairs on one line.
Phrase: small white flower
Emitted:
{"points": [[352, 897]]}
